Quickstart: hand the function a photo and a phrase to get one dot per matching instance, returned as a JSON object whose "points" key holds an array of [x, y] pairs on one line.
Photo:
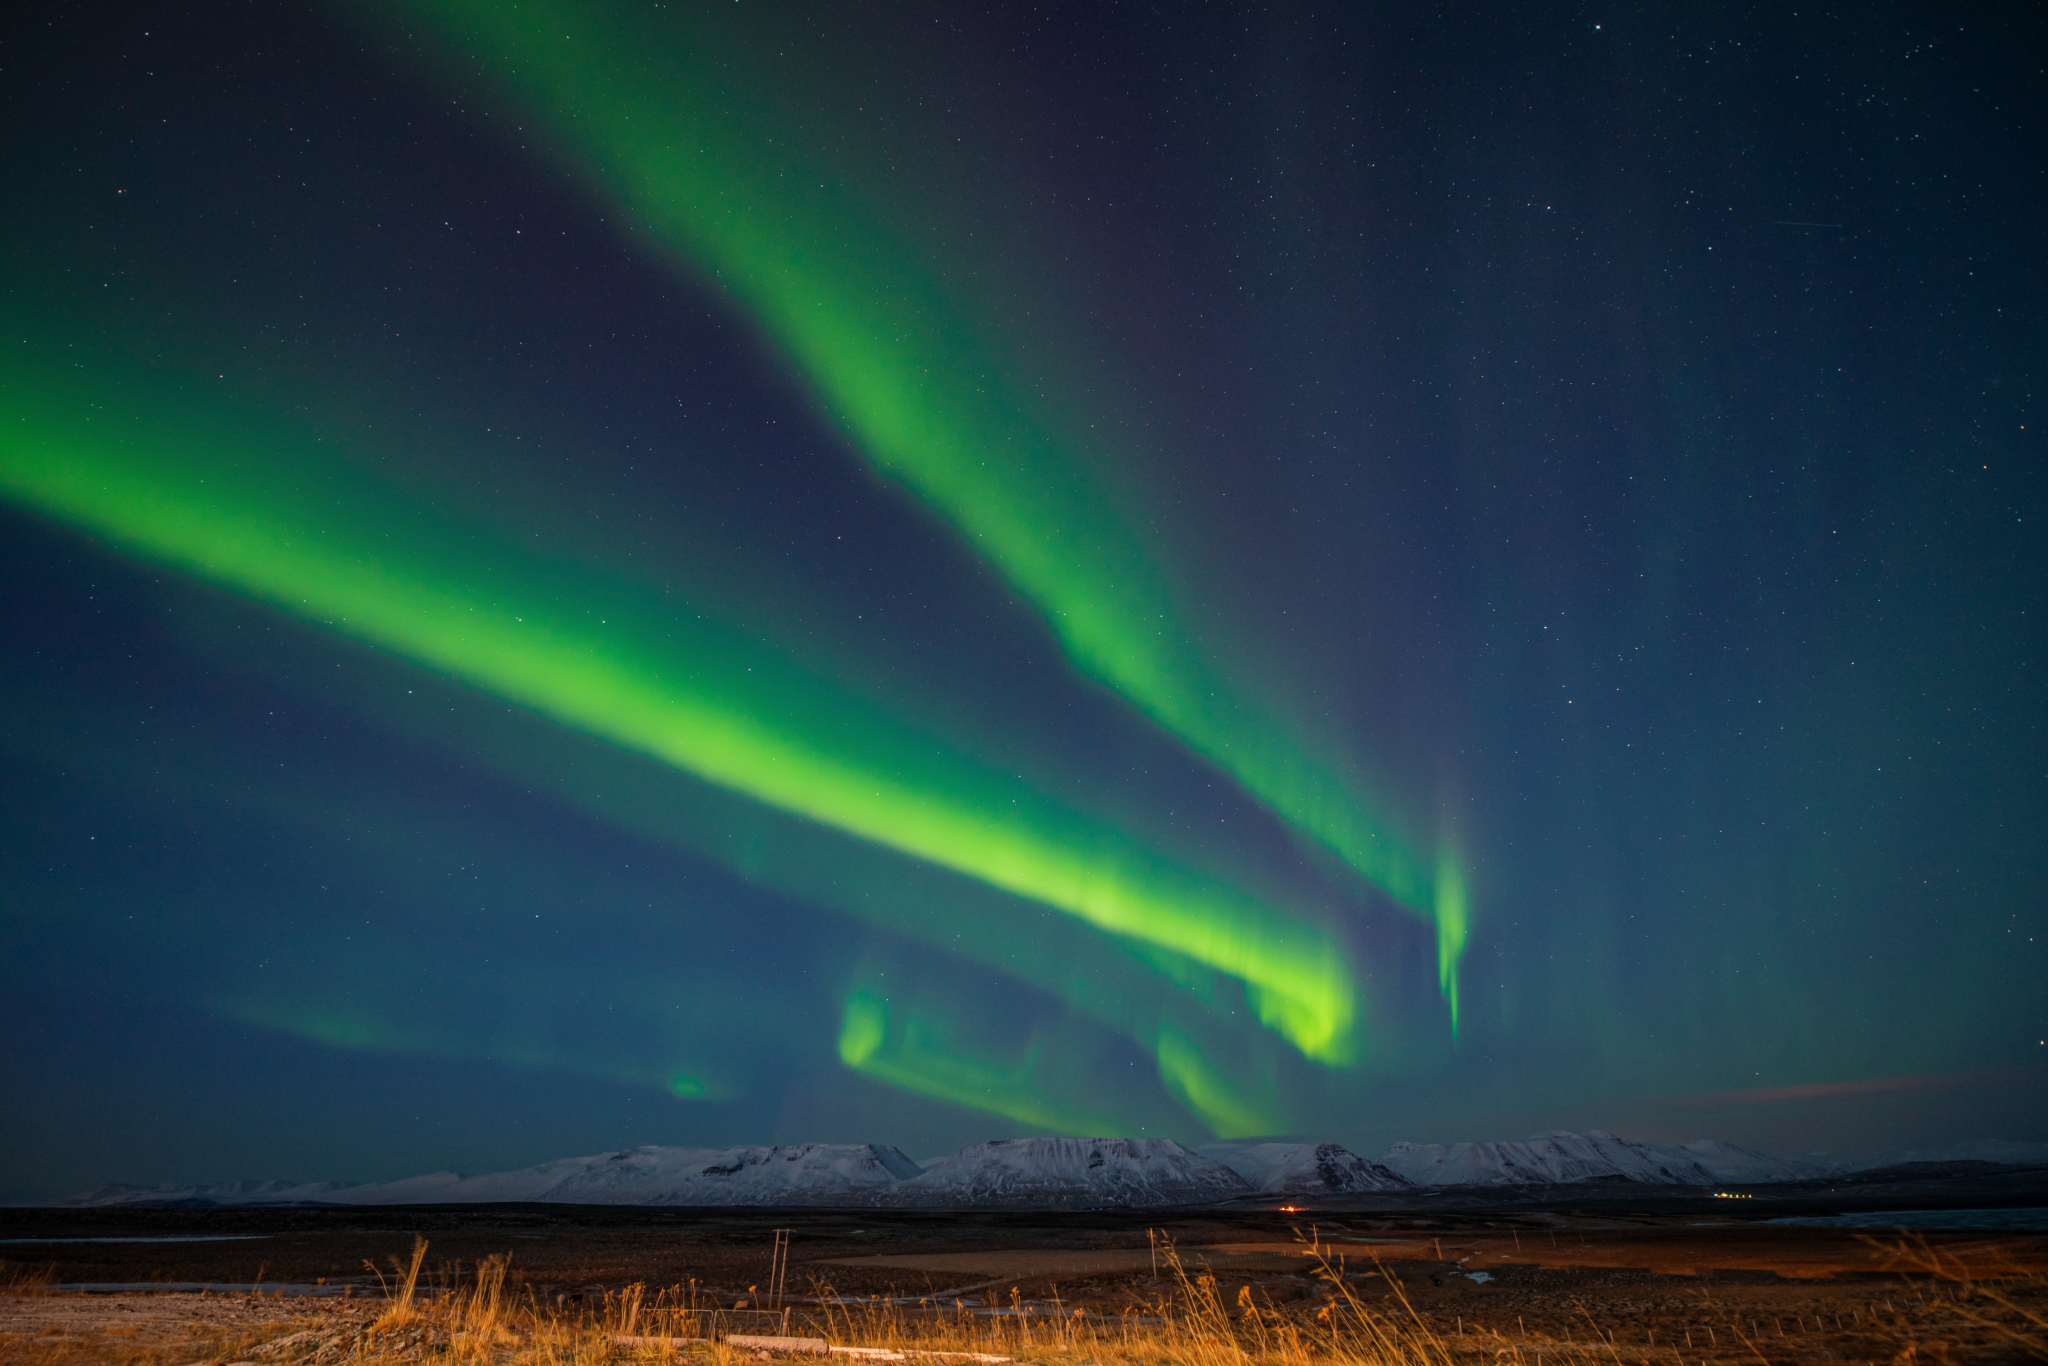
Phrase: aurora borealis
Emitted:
{"points": [[901, 363], [587, 574]]}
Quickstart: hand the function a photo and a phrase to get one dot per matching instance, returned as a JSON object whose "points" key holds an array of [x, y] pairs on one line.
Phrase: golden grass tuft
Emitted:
{"points": [[402, 1290]]}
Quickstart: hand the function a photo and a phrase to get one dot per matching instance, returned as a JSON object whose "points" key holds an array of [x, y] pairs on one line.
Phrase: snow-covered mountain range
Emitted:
{"points": [[793, 1174], [1561, 1158], [1071, 1173], [1051, 1173]]}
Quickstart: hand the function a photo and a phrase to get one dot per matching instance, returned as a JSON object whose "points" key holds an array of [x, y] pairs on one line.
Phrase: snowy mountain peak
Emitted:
{"points": [[1071, 1173], [1305, 1168]]}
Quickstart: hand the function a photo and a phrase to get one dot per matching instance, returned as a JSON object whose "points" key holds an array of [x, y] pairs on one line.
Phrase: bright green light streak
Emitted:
{"points": [[272, 515], [1453, 918], [918, 1060], [1127, 985], [648, 113]]}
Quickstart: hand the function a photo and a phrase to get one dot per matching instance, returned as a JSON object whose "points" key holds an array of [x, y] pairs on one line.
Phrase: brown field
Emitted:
{"points": [[1256, 1288]]}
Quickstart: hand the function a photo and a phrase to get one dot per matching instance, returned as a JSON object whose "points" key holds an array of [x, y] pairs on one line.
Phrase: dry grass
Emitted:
{"points": [[1989, 1307], [20, 1278], [1194, 1323], [402, 1290], [473, 1318]]}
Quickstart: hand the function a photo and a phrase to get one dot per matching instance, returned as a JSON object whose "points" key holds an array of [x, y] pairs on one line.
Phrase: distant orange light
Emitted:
{"points": [[1290, 1209]]}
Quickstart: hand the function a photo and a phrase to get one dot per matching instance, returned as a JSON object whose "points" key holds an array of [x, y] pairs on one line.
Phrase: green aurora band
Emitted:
{"points": [[647, 113], [668, 1024], [266, 509]]}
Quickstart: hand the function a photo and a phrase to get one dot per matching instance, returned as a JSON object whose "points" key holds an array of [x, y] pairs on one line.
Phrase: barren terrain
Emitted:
{"points": [[1596, 1278]]}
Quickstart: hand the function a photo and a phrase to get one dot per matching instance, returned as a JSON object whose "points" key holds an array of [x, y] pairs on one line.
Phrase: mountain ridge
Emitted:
{"points": [[1048, 1173]]}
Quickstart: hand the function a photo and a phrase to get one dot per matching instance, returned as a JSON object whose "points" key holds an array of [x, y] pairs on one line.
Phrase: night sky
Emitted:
{"points": [[576, 574]]}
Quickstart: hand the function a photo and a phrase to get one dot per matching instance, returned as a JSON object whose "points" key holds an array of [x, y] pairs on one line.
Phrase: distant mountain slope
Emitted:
{"points": [[1977, 1150], [1305, 1168], [1055, 1173], [1070, 1173], [796, 1174], [1560, 1158], [224, 1193], [1735, 1166]]}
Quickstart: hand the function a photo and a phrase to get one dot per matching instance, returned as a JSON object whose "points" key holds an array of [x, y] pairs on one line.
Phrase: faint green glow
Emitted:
{"points": [[863, 1028], [656, 117], [915, 1056], [1223, 1104], [269, 512], [360, 1024]]}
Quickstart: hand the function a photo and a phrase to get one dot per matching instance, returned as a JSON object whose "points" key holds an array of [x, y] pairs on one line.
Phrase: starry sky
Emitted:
{"points": [[583, 573]]}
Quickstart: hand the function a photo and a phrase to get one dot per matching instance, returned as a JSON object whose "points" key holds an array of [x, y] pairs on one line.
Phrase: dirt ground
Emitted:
{"points": [[1647, 1287], [198, 1327]]}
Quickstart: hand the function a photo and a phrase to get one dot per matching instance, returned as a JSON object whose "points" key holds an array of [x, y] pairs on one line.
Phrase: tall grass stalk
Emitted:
{"points": [[401, 1290]]}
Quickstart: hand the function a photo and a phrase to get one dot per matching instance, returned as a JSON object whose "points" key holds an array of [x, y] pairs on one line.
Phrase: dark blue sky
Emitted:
{"points": [[1600, 446]]}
